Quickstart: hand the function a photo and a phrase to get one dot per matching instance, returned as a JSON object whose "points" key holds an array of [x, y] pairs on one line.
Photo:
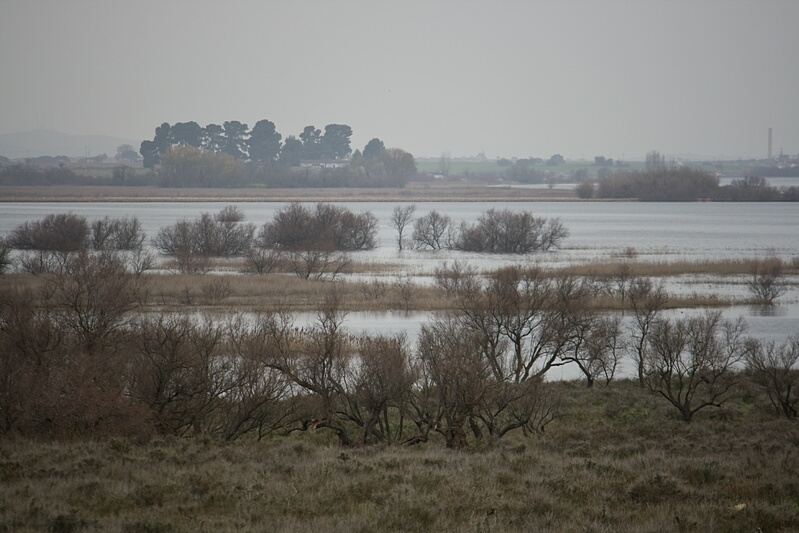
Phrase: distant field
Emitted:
{"points": [[490, 168], [443, 191]]}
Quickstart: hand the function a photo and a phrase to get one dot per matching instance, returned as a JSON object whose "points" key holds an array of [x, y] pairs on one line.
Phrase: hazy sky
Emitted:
{"points": [[509, 78]]}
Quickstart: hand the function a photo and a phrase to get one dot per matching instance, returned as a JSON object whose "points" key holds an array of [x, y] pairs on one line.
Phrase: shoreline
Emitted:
{"points": [[415, 193]]}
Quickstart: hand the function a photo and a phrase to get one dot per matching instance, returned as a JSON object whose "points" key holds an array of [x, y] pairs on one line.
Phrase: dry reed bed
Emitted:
{"points": [[614, 460], [727, 267], [416, 192], [226, 288]]}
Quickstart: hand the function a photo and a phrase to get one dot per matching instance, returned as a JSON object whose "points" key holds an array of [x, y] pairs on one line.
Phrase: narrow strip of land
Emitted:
{"points": [[414, 192]]}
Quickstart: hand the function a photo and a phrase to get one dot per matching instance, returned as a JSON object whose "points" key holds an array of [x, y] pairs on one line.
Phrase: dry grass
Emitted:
{"points": [[728, 267], [249, 292], [615, 460], [414, 192]]}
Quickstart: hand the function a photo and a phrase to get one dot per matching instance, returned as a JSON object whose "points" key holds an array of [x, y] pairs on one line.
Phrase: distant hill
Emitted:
{"points": [[45, 142]]}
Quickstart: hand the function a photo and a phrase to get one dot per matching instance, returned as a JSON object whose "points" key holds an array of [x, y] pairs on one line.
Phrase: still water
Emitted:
{"points": [[662, 230], [598, 230]]}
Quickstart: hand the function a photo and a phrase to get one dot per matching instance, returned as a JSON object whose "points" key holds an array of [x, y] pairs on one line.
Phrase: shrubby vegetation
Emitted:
{"points": [[192, 243], [78, 359], [495, 232], [48, 244], [509, 232], [327, 227], [476, 374], [662, 182]]}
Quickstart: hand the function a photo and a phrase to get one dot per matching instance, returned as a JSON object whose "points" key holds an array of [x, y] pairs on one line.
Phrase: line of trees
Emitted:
{"points": [[261, 144], [190, 155], [77, 359], [664, 182]]}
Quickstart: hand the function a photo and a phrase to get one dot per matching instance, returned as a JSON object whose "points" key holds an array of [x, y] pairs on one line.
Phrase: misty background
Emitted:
{"points": [[703, 79]]}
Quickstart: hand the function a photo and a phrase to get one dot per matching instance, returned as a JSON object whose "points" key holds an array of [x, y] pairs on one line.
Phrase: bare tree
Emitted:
{"points": [[261, 260], [317, 361], [774, 367], [510, 232], [317, 264], [64, 232], [179, 372], [400, 218], [767, 281], [378, 387], [328, 227], [93, 298], [647, 302], [432, 231], [596, 346], [691, 362], [453, 279], [456, 368], [5, 255]]}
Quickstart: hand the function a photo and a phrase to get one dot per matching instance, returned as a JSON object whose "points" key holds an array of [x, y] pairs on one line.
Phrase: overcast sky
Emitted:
{"points": [[508, 78]]}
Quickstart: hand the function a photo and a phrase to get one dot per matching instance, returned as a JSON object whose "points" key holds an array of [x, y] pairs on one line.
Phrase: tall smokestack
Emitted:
{"points": [[769, 143]]}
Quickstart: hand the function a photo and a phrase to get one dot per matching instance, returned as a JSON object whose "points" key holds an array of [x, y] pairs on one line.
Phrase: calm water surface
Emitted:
{"points": [[598, 230]]}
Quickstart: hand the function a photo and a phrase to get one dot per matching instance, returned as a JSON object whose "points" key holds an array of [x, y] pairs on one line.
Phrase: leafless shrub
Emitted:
{"points": [[328, 227], [223, 235], [261, 260], [257, 398], [179, 238], [117, 234], [62, 349], [400, 218], [317, 264], [454, 279], [93, 298], [6, 261], [432, 231], [596, 347], [101, 230], [140, 260], [379, 385], [510, 232], [217, 290], [629, 253], [63, 232], [208, 236], [189, 263], [457, 372], [404, 287], [647, 302], [691, 362], [128, 234], [317, 361], [620, 282], [229, 213], [177, 371], [767, 281], [38, 262], [374, 289], [774, 367], [585, 189]]}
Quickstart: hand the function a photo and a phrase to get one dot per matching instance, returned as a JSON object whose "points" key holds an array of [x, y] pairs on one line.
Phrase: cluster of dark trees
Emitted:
{"points": [[190, 155], [662, 182], [261, 144], [684, 184], [78, 360]]}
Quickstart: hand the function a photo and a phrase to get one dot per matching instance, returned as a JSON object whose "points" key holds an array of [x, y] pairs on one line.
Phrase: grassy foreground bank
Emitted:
{"points": [[615, 459]]}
